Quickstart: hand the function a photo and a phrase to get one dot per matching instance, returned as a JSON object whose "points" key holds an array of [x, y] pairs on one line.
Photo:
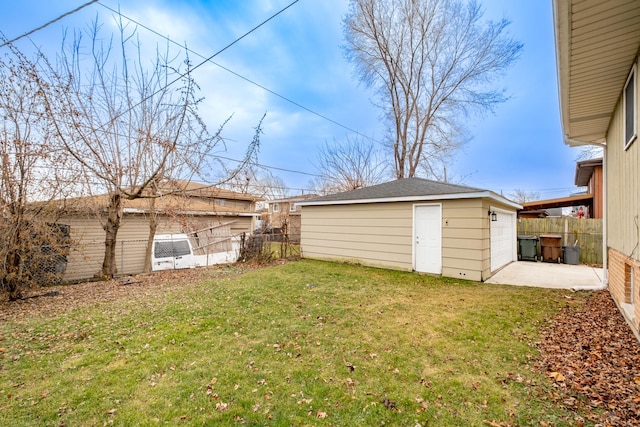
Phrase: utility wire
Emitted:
{"points": [[208, 59], [71, 12], [289, 100]]}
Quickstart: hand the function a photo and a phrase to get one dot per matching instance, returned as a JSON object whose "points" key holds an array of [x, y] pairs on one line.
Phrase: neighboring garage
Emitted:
{"points": [[413, 224]]}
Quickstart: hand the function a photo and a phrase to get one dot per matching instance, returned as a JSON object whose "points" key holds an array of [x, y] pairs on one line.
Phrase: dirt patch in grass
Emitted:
{"points": [[52, 301], [593, 360]]}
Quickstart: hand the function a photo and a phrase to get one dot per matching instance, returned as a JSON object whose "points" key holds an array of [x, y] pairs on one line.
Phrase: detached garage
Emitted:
{"points": [[413, 224]]}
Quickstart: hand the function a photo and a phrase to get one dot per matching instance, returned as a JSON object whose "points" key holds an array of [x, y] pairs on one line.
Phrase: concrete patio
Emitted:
{"points": [[548, 275]]}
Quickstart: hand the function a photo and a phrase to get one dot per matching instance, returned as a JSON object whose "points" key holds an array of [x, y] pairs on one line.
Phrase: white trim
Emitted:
{"points": [[633, 74], [434, 197], [605, 222]]}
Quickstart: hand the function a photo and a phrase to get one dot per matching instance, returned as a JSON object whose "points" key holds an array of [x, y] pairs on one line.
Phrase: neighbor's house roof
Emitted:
{"points": [[186, 198], [294, 199], [596, 44], [407, 190], [202, 190], [584, 170]]}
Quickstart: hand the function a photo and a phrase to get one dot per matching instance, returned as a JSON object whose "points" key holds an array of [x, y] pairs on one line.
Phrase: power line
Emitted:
{"points": [[190, 70], [289, 100], [71, 12], [209, 59], [50, 150]]}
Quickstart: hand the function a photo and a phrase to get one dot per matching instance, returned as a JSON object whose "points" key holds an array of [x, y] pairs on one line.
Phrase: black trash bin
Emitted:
{"points": [[528, 248]]}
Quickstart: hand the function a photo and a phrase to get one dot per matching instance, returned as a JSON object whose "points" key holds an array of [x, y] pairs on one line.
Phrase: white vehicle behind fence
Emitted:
{"points": [[172, 252], [175, 251]]}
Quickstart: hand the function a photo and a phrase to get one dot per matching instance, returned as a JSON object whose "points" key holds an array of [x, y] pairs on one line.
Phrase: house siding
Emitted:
{"points": [[623, 187], [595, 188], [623, 210]]}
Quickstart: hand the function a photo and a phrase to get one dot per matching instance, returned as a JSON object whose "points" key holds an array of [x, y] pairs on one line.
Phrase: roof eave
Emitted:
{"points": [[426, 198], [194, 213], [562, 26]]}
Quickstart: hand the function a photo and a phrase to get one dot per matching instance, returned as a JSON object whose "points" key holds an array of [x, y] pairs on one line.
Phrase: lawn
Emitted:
{"points": [[303, 343]]}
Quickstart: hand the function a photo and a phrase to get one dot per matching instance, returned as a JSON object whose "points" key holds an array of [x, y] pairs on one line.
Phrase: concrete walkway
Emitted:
{"points": [[547, 275]]}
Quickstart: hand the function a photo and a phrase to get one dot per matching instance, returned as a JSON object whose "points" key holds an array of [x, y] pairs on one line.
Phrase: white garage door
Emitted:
{"points": [[503, 239]]}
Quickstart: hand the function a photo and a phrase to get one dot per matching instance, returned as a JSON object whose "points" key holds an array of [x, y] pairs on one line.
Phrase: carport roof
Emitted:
{"points": [[407, 189]]}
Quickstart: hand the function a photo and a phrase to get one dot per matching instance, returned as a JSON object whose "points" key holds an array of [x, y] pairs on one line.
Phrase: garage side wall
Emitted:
{"points": [[87, 251], [465, 239], [378, 235]]}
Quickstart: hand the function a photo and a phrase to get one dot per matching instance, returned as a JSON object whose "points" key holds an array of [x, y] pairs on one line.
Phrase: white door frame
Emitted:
{"points": [[438, 270]]}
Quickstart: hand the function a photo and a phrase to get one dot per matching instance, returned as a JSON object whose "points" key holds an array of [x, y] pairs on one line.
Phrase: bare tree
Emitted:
{"points": [[256, 180], [31, 176], [589, 152], [127, 126], [523, 196], [432, 63], [348, 165]]}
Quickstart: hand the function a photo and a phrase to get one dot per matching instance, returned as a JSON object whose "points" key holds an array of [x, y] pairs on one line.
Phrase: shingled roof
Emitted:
{"points": [[406, 189]]}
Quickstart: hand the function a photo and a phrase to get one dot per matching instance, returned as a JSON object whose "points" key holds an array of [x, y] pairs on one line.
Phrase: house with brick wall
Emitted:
{"points": [[597, 51], [284, 215]]}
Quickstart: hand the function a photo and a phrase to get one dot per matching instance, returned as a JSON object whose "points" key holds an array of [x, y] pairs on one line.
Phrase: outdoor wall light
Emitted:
{"points": [[493, 215]]}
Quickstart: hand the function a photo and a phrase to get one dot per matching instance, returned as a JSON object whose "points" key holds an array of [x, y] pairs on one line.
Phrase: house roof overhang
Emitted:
{"points": [[563, 202], [596, 45], [585, 169]]}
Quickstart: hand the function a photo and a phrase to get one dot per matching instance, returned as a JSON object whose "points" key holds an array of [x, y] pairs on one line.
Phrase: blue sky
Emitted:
{"points": [[298, 55]]}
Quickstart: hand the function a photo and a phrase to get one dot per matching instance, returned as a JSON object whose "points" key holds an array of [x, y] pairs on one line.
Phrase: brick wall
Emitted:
{"points": [[623, 272]]}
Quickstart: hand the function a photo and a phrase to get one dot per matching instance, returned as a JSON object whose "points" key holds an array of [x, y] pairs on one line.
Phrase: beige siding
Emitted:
{"points": [[463, 238], [623, 186], [87, 248], [87, 251], [373, 234], [380, 234], [622, 171]]}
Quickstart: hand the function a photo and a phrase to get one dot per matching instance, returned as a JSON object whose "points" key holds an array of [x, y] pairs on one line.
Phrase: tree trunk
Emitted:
{"points": [[153, 225], [114, 216], [11, 282]]}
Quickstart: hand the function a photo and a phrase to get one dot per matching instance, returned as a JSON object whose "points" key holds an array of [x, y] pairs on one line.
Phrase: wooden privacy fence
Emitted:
{"points": [[586, 232]]}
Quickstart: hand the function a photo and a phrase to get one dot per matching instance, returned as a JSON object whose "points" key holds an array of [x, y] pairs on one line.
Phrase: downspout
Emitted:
{"points": [[605, 271]]}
